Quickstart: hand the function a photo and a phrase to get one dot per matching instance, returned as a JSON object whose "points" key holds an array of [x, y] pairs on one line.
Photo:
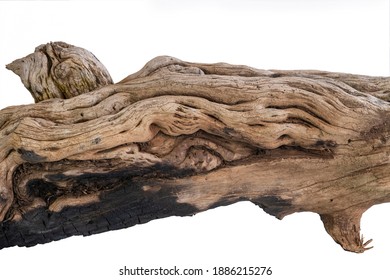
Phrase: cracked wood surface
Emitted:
{"points": [[177, 138]]}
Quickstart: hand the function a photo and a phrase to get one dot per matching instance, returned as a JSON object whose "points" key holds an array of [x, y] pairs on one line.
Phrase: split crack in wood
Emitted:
{"points": [[177, 138]]}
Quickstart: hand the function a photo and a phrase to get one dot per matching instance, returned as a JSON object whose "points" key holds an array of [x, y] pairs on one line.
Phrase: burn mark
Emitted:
{"points": [[97, 140], [88, 183], [30, 156], [326, 144], [273, 205], [124, 206], [45, 190], [126, 197]]}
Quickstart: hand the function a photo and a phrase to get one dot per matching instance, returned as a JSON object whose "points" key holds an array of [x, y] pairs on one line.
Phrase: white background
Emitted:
{"points": [[347, 36]]}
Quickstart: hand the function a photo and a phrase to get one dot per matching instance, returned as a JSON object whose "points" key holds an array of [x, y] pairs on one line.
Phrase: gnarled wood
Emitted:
{"points": [[60, 70], [177, 138]]}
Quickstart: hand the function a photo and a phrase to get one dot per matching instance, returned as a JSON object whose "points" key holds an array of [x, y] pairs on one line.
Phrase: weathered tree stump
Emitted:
{"points": [[177, 138]]}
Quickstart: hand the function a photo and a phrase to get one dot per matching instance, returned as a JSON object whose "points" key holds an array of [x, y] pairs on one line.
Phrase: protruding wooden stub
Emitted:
{"points": [[60, 70], [344, 227]]}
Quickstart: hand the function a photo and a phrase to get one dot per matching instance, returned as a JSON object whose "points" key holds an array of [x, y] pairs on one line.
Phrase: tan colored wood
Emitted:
{"points": [[177, 138], [60, 70]]}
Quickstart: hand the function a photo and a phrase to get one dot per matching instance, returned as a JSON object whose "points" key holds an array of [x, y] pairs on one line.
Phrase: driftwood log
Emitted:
{"points": [[177, 138]]}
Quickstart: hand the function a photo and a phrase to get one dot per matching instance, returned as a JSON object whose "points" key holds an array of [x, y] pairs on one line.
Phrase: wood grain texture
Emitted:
{"points": [[177, 138], [60, 70]]}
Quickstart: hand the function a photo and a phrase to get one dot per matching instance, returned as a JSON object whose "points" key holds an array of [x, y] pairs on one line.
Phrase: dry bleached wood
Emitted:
{"points": [[177, 138], [60, 70]]}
